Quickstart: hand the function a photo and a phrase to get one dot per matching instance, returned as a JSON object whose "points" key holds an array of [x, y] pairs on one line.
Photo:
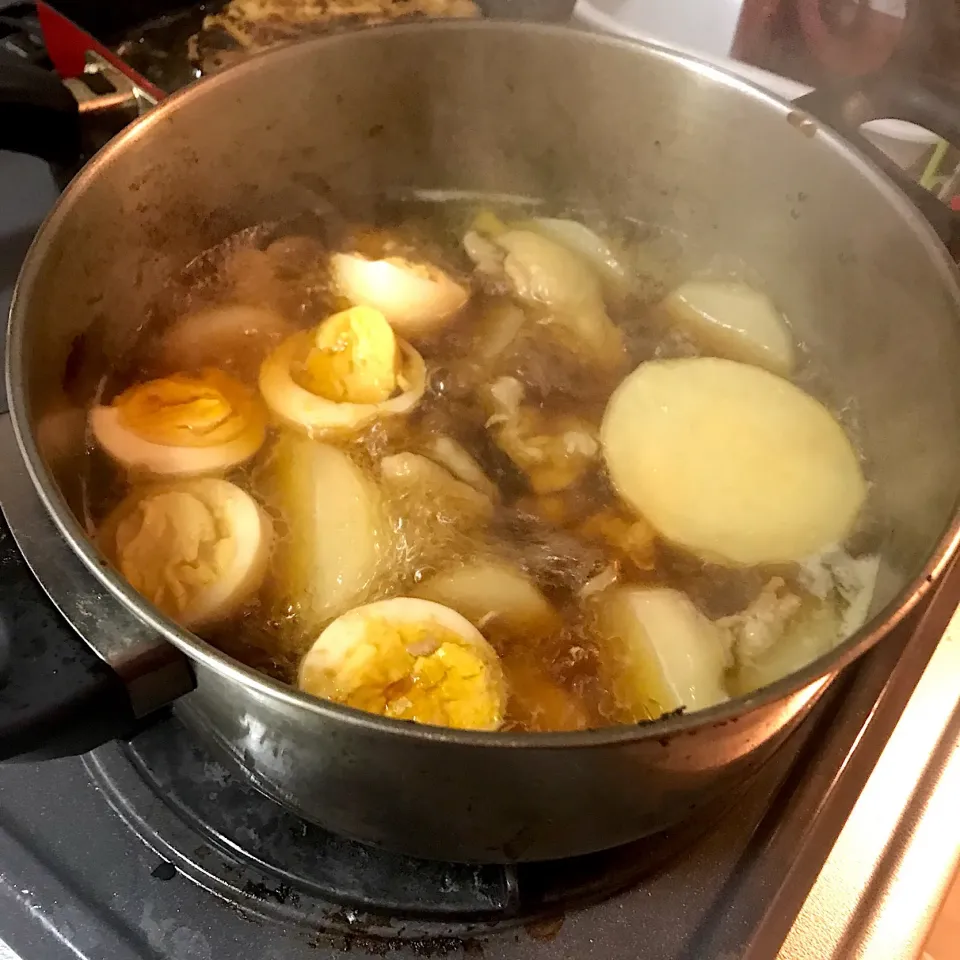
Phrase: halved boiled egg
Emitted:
{"points": [[182, 425], [409, 659], [347, 372], [233, 333], [416, 298], [197, 549]]}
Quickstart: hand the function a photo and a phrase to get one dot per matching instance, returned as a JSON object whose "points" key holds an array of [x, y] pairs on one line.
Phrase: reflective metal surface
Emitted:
{"points": [[493, 107]]}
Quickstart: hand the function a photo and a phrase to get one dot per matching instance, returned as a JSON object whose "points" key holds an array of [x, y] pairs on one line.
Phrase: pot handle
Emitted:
{"points": [[58, 697], [38, 114], [59, 694], [890, 94]]}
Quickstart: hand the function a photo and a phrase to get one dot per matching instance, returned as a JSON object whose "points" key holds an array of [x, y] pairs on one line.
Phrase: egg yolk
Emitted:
{"points": [[171, 548], [354, 358], [419, 672], [189, 411]]}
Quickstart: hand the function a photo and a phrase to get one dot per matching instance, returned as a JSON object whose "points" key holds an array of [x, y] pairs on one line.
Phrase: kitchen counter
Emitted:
{"points": [[888, 872]]}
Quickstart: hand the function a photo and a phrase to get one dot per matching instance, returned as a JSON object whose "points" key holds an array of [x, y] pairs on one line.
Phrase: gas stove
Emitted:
{"points": [[150, 848]]}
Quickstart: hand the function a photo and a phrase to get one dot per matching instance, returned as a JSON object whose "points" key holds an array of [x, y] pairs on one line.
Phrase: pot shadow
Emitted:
{"points": [[13, 249]]}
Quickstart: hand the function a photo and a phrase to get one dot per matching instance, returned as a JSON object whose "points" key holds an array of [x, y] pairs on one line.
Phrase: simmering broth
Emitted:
{"points": [[588, 476]]}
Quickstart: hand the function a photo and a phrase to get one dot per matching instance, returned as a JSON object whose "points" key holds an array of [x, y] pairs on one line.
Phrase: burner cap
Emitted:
{"points": [[219, 830]]}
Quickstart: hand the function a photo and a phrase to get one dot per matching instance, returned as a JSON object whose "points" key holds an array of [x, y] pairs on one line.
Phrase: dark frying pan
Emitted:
{"points": [[150, 40]]}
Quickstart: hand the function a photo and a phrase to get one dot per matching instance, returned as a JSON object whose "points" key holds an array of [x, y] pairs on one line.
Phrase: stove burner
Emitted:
{"points": [[229, 838], [21, 36]]}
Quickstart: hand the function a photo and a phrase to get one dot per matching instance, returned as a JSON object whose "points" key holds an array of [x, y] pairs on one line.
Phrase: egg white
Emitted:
{"points": [[239, 518], [413, 304], [330, 649]]}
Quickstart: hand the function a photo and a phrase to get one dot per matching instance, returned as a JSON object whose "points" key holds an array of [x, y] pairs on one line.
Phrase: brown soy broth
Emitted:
{"points": [[557, 682]]}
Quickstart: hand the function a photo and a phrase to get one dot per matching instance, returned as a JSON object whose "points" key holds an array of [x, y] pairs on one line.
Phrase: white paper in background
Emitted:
{"points": [[893, 8], [6, 953], [706, 29], [705, 25], [708, 26]]}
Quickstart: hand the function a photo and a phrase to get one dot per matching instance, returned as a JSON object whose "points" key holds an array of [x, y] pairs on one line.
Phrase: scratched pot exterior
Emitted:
{"points": [[437, 798], [593, 122]]}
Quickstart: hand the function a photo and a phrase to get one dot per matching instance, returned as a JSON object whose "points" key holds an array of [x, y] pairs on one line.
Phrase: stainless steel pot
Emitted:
{"points": [[504, 108]]}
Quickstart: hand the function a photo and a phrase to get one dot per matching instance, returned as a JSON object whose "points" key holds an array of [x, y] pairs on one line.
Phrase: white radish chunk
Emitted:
{"points": [[493, 595], [665, 654], [336, 535], [733, 320], [730, 462]]}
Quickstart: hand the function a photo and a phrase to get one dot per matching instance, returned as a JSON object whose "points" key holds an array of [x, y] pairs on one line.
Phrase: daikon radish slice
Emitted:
{"points": [[730, 462], [733, 320], [493, 595], [663, 653]]}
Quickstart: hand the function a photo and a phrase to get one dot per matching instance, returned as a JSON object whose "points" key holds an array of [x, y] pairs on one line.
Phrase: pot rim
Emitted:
{"points": [[210, 657]]}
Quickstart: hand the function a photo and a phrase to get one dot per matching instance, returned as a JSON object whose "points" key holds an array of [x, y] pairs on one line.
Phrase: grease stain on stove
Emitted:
{"points": [[164, 871], [434, 911], [281, 894], [427, 947], [171, 937], [545, 930]]}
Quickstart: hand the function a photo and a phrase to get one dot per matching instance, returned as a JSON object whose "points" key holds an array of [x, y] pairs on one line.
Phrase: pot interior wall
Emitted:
{"points": [[575, 119]]}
